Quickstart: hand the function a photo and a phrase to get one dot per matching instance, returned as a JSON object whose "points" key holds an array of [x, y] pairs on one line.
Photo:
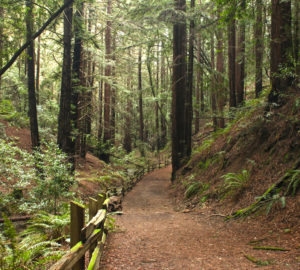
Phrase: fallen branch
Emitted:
{"points": [[16, 219], [271, 248]]}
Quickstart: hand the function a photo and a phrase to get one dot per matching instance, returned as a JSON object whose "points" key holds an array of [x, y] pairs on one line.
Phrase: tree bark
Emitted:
{"points": [[1, 46], [34, 130], [141, 116], [199, 87], [259, 48], [163, 79], [64, 137], [281, 49], [231, 60], [77, 78], [240, 63], [107, 86], [220, 79], [113, 93], [38, 62], [213, 82], [297, 39], [178, 91], [190, 86]]}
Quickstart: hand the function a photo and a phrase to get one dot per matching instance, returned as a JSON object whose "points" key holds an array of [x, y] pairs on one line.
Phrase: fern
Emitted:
{"points": [[294, 182]]}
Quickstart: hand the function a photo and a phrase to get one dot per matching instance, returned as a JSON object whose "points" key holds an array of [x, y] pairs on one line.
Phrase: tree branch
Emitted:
{"points": [[40, 31]]}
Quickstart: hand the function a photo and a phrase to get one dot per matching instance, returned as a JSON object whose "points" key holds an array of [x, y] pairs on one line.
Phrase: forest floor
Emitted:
{"points": [[154, 233]]}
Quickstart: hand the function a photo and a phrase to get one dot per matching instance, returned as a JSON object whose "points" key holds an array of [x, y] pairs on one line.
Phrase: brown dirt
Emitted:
{"points": [[151, 234]]}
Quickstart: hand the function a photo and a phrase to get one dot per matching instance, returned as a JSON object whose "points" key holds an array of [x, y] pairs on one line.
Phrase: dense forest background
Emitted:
{"points": [[201, 82]]}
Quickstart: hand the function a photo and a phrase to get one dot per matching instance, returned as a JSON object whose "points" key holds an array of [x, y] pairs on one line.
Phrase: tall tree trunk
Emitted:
{"points": [[213, 81], [297, 39], [259, 48], [100, 127], [77, 76], [199, 87], [113, 93], [38, 62], [163, 124], [1, 45], [157, 131], [220, 78], [281, 49], [231, 60], [141, 116], [240, 63], [107, 87], [64, 137], [34, 130], [190, 86], [178, 91]]}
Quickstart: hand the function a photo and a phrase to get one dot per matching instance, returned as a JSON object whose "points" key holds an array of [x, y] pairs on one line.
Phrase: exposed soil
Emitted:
{"points": [[152, 234]]}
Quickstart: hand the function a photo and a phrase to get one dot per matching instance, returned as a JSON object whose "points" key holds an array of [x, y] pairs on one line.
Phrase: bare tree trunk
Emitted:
{"points": [[113, 93], [34, 130], [64, 139], [141, 116], [1, 45], [199, 87], [297, 39], [77, 77], [163, 123], [240, 63], [100, 127], [281, 48], [259, 49], [38, 61], [178, 91], [190, 86], [231, 60], [220, 78], [213, 81], [107, 88]]}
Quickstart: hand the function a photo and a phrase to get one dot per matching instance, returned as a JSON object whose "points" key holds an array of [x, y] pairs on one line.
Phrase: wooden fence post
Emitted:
{"points": [[101, 200], [77, 223]]}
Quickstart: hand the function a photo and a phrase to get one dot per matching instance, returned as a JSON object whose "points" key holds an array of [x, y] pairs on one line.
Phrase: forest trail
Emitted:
{"points": [[152, 235]]}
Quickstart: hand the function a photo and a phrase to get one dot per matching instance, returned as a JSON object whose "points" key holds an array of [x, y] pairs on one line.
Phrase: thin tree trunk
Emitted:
{"points": [[220, 79], [156, 103], [259, 49], [38, 61], [64, 139], [231, 60], [34, 130], [190, 86], [163, 124], [107, 87], [141, 116], [113, 94], [213, 81], [199, 87], [178, 91], [1, 46], [240, 63], [100, 127], [297, 39]]}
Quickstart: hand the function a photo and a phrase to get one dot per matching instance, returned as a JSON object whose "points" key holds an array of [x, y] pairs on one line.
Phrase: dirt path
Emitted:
{"points": [[152, 235]]}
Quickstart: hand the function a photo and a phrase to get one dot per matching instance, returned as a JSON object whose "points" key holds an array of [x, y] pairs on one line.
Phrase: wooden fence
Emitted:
{"points": [[91, 238]]}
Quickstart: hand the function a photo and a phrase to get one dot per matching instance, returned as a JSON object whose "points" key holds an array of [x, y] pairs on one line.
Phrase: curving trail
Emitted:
{"points": [[152, 235]]}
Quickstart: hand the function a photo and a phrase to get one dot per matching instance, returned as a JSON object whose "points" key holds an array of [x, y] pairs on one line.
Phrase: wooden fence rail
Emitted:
{"points": [[92, 236]]}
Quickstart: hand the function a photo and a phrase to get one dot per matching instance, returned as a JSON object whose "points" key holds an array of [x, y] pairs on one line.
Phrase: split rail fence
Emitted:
{"points": [[91, 238]]}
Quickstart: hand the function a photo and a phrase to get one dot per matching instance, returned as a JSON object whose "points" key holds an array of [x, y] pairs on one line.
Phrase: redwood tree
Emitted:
{"points": [[281, 49], [179, 90], [34, 130], [64, 138]]}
